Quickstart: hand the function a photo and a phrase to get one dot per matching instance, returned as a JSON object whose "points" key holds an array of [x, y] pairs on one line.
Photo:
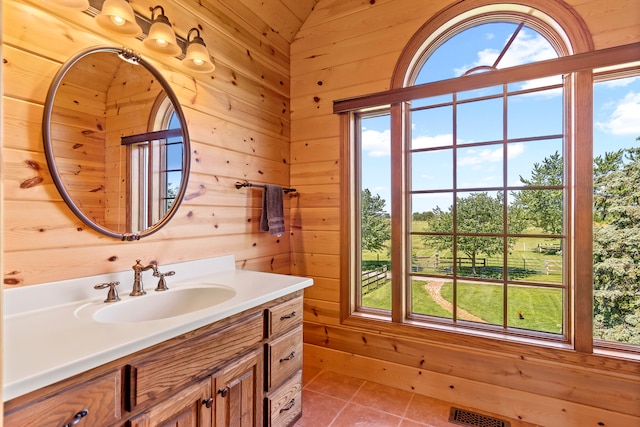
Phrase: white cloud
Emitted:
{"points": [[514, 150], [376, 143], [620, 82], [526, 48], [545, 81], [481, 156], [426, 141], [477, 156], [490, 36], [625, 118]]}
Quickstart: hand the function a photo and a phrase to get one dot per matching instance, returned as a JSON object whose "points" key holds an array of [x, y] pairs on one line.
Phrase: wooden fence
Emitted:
{"points": [[440, 265], [373, 278]]}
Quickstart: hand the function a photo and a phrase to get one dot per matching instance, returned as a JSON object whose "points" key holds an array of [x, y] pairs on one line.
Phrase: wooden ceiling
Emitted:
{"points": [[281, 17]]}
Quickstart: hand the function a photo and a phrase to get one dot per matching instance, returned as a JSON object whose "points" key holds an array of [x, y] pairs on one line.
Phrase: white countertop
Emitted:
{"points": [[45, 341]]}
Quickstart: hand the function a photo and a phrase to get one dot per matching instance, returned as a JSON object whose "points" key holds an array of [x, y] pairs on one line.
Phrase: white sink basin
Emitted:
{"points": [[156, 305]]}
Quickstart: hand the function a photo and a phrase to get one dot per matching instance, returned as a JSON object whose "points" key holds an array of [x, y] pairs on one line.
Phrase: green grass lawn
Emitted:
{"points": [[527, 261], [541, 307]]}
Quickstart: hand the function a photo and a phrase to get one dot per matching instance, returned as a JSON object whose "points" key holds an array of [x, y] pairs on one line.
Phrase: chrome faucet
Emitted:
{"points": [[138, 288]]}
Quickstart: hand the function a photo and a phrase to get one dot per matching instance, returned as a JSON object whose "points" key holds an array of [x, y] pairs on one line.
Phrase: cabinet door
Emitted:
{"points": [[190, 407], [239, 392]]}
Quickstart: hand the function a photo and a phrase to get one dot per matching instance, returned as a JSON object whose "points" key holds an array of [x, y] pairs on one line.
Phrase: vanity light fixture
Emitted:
{"points": [[70, 4], [117, 17], [197, 57], [161, 38]]}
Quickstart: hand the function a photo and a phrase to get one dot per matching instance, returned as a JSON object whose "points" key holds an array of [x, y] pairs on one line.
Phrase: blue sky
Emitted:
{"points": [[616, 120]]}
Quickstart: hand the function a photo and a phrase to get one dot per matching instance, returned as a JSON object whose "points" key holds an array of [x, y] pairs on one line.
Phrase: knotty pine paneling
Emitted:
{"points": [[323, 219], [610, 23], [316, 196], [321, 311], [348, 48], [278, 263], [22, 125], [323, 242], [55, 263], [26, 177], [327, 172], [309, 150], [216, 132], [315, 265], [238, 117], [278, 16]]}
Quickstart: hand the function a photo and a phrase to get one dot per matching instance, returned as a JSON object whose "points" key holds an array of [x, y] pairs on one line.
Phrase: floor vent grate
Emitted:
{"points": [[472, 419]]}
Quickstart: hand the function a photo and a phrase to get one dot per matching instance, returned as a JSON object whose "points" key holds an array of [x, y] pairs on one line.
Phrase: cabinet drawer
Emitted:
{"points": [[94, 402], [285, 357], [284, 316], [284, 405], [157, 375]]}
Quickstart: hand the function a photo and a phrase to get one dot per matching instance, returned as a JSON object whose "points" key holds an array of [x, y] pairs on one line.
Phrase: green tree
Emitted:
{"points": [[543, 207], [376, 225], [423, 216], [476, 213], [602, 167], [616, 247]]}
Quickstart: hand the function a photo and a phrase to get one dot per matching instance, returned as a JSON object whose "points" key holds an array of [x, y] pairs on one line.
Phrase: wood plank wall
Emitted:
{"points": [[348, 48], [239, 122]]}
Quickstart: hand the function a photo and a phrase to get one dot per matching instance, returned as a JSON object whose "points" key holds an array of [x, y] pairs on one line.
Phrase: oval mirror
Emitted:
{"points": [[116, 142]]}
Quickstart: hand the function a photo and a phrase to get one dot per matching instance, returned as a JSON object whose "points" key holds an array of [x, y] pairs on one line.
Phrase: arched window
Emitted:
{"points": [[471, 179], [156, 166]]}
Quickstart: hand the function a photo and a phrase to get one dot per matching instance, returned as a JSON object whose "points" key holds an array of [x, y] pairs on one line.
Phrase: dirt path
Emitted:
{"points": [[433, 287]]}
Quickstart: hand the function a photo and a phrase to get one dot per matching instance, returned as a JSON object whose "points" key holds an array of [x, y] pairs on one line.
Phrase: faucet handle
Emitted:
{"points": [[112, 295], [162, 284]]}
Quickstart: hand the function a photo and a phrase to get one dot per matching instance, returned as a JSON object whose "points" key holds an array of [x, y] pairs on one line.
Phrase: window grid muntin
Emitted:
{"points": [[506, 283], [541, 23]]}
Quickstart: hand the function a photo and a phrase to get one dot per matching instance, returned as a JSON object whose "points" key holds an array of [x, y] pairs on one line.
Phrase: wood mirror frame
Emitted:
{"points": [[101, 103]]}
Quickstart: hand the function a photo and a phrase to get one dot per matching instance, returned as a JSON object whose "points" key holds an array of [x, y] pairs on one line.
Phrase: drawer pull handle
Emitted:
{"points": [[77, 417], [208, 402], [288, 316], [289, 406], [224, 392], [289, 357]]}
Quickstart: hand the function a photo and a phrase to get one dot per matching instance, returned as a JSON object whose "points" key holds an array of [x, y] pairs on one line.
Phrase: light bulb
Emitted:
{"points": [[197, 56], [118, 20], [117, 17], [161, 42]]}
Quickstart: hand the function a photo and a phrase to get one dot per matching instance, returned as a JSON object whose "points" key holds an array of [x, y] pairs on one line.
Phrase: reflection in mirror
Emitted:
{"points": [[116, 142]]}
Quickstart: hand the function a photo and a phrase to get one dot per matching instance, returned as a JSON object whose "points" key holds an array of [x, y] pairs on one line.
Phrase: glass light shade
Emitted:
{"points": [[161, 38], [197, 57], [117, 17], [71, 4]]}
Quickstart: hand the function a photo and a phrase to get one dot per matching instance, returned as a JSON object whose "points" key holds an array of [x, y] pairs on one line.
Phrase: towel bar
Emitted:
{"points": [[239, 185]]}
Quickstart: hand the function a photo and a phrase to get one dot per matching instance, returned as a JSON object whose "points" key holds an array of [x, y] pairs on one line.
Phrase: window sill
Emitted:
{"points": [[456, 335]]}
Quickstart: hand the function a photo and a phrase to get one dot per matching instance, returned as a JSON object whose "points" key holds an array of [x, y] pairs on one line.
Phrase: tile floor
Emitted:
{"points": [[333, 400]]}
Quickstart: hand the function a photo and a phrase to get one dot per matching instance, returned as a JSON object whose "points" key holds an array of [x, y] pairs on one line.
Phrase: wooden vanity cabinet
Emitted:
{"points": [[191, 406], [238, 392], [217, 375], [90, 401], [161, 373], [283, 364]]}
